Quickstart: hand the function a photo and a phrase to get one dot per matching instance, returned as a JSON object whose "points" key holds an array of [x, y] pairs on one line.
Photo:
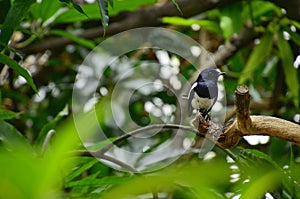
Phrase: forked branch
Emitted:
{"points": [[245, 125]]}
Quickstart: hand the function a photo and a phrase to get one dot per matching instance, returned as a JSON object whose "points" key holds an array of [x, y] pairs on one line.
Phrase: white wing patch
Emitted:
{"points": [[193, 86]]}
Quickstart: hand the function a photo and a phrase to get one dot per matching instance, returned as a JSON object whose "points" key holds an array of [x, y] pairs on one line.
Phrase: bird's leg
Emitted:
{"points": [[197, 119], [207, 118]]}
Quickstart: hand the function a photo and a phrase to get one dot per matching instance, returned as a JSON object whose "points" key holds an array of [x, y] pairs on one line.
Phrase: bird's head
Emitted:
{"points": [[210, 74]]}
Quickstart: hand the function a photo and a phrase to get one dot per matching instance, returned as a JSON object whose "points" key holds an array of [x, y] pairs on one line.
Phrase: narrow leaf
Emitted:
{"points": [[12, 20], [19, 69], [6, 114], [100, 182], [290, 72], [74, 5], [257, 57], [78, 8], [206, 24], [80, 170], [111, 3], [103, 6], [5, 6], [12, 139], [80, 41], [51, 125]]}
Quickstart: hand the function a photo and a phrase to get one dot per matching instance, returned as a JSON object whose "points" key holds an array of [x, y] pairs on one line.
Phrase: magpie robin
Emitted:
{"points": [[204, 92]]}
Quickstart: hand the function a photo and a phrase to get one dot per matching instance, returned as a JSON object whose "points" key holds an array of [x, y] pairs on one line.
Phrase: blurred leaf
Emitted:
{"points": [[258, 186], [83, 42], [226, 26], [190, 175], [11, 138], [263, 9], [232, 11], [92, 10], [20, 174], [99, 145], [6, 114], [81, 169], [295, 37], [14, 16], [5, 6], [51, 125], [257, 157], [290, 72], [293, 176], [111, 3], [19, 69], [206, 24], [45, 10], [257, 57], [103, 6], [26, 175], [100, 182]]}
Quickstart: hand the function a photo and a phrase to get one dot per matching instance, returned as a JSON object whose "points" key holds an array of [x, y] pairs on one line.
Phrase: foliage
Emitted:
{"points": [[41, 155]]}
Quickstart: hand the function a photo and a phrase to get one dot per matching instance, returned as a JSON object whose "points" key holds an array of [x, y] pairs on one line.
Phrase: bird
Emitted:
{"points": [[204, 92]]}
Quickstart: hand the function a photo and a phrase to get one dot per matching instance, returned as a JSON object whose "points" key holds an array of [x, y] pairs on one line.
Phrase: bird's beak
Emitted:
{"points": [[222, 73]]}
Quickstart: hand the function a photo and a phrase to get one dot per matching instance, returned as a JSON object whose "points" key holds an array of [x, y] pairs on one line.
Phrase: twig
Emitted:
{"points": [[101, 153], [143, 130], [118, 162]]}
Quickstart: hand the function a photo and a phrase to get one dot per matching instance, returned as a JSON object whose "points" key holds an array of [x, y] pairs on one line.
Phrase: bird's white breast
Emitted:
{"points": [[201, 103]]}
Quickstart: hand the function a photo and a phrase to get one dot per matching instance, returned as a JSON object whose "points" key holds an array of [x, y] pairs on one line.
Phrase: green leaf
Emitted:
{"points": [[257, 187], [80, 41], [13, 19], [226, 24], [258, 156], [51, 125], [92, 10], [6, 114], [100, 182], [295, 37], [290, 72], [81, 169], [19, 69], [11, 138], [189, 175], [5, 6], [103, 6], [206, 24], [98, 146], [257, 57], [74, 5], [111, 3]]}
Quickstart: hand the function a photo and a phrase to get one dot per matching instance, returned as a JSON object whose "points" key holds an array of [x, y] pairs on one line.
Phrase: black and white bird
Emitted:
{"points": [[204, 92]]}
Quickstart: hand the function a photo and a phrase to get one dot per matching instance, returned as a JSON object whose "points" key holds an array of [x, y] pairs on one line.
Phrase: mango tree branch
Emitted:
{"points": [[245, 125]]}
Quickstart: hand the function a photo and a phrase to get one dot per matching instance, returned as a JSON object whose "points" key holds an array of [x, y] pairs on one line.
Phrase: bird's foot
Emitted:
{"points": [[207, 118]]}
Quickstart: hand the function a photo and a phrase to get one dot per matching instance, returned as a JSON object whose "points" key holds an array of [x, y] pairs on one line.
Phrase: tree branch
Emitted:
{"points": [[101, 153], [146, 17], [245, 125], [143, 130]]}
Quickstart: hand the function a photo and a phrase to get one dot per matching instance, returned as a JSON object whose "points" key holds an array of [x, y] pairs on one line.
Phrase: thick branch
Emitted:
{"points": [[149, 16], [245, 125]]}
